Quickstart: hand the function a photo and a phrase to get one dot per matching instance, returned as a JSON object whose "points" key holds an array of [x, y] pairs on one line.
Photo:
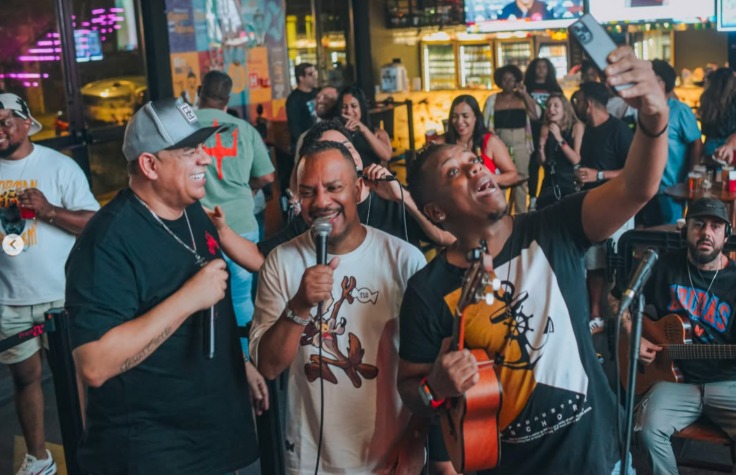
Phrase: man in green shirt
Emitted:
{"points": [[240, 165]]}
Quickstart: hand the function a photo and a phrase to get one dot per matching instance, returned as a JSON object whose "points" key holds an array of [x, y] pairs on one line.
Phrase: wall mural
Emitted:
{"points": [[244, 38]]}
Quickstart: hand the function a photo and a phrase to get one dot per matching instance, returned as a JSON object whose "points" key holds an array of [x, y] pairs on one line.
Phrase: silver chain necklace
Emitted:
{"points": [[690, 278], [199, 260]]}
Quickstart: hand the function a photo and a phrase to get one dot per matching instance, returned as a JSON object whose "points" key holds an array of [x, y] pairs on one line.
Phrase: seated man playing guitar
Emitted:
{"points": [[699, 286], [558, 414]]}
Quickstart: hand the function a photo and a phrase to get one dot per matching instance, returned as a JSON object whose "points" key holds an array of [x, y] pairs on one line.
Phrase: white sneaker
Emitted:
{"points": [[33, 466], [597, 325]]}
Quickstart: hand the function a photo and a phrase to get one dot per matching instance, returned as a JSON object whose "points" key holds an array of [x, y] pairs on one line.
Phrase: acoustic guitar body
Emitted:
{"points": [[668, 330], [470, 425]]}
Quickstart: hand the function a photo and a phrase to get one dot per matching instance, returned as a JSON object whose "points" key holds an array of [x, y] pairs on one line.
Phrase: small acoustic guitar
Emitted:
{"points": [[470, 423], [673, 334]]}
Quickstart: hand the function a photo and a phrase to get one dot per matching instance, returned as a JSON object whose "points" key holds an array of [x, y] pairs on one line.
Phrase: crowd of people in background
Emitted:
{"points": [[604, 157]]}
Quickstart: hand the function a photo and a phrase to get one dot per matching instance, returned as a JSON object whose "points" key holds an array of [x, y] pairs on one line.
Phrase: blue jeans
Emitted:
{"points": [[241, 282], [629, 470]]}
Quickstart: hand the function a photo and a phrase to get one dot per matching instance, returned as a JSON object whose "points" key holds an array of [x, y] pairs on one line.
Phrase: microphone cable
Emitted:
{"points": [[403, 214], [323, 229], [321, 391], [403, 202]]}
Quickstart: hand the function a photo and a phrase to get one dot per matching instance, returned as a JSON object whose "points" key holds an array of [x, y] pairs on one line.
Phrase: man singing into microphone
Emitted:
{"points": [[558, 414], [366, 428], [699, 285]]}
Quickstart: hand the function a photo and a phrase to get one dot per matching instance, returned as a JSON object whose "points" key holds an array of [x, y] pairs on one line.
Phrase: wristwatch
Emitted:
{"points": [[425, 394], [296, 318], [599, 176]]}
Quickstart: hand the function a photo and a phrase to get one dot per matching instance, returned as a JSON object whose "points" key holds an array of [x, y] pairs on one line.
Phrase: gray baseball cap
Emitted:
{"points": [[165, 124]]}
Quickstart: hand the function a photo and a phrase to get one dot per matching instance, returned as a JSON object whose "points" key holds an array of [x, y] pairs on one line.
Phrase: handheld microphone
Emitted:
{"points": [[321, 228], [383, 178], [640, 277], [209, 332]]}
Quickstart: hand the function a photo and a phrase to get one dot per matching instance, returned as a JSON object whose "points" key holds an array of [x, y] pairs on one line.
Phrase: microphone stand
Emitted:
{"points": [[635, 340]]}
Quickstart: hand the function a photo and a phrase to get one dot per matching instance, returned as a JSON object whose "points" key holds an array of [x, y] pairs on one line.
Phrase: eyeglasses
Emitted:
{"points": [[8, 123]]}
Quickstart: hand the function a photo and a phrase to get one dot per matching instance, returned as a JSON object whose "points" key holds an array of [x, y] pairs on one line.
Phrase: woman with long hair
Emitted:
{"points": [[718, 109], [466, 128], [540, 80], [560, 139], [374, 146], [508, 115]]}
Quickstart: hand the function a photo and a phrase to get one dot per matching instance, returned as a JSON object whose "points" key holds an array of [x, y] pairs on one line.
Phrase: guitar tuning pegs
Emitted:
{"points": [[496, 284], [473, 255], [489, 299]]}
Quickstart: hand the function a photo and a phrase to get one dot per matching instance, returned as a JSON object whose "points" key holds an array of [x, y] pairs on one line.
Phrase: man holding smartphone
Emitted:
{"points": [[558, 414]]}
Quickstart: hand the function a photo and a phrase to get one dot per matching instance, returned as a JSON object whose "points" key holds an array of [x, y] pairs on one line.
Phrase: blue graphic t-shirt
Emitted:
{"points": [[707, 300]]}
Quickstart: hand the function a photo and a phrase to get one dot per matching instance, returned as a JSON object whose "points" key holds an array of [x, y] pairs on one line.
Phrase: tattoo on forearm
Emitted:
{"points": [[147, 350]]}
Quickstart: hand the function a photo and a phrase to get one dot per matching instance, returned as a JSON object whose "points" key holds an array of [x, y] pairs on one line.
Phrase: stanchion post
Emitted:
{"points": [[271, 427], [65, 386]]}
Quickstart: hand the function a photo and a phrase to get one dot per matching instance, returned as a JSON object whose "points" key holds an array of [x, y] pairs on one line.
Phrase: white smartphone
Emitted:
{"points": [[595, 41]]}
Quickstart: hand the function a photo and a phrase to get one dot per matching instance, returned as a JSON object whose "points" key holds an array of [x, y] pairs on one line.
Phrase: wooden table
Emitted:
{"points": [[682, 193]]}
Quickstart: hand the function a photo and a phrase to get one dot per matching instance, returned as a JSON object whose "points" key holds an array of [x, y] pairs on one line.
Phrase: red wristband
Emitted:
{"points": [[434, 403]]}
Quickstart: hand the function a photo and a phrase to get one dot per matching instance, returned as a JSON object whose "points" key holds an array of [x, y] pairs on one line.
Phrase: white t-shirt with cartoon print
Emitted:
{"points": [[36, 275], [364, 417]]}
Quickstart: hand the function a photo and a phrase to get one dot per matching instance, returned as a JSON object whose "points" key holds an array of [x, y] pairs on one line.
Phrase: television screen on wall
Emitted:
{"points": [[87, 45], [489, 16], [726, 13], [685, 11]]}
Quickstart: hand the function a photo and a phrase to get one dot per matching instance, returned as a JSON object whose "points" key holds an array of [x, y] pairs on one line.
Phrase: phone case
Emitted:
{"points": [[595, 41]]}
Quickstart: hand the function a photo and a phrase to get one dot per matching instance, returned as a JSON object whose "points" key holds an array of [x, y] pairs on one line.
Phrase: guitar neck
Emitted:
{"points": [[701, 352], [457, 330]]}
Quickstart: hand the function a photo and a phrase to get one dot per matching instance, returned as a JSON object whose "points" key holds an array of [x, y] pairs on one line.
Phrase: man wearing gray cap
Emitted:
{"points": [[143, 280], [698, 284], [45, 201]]}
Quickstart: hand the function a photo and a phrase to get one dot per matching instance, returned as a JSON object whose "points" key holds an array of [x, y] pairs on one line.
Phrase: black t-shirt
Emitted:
{"points": [[300, 112], [374, 211], [558, 414], [367, 155], [605, 147], [176, 412], [710, 311]]}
